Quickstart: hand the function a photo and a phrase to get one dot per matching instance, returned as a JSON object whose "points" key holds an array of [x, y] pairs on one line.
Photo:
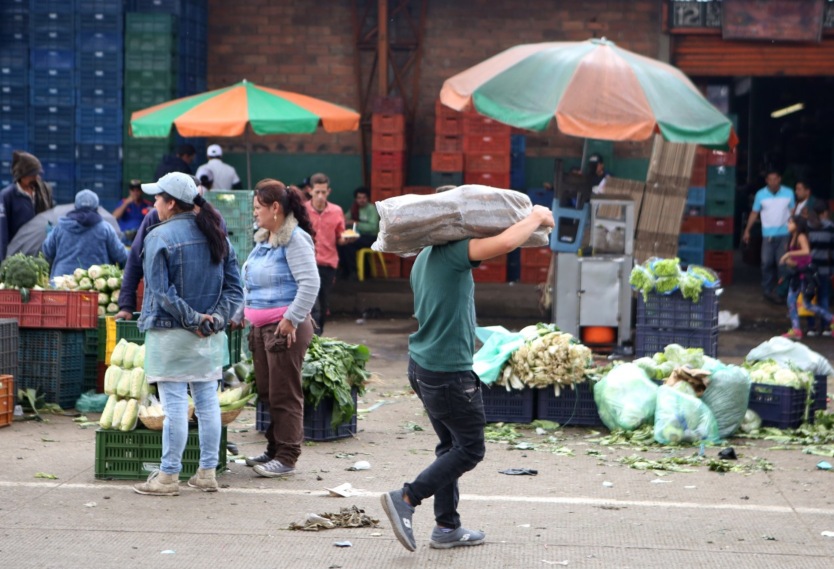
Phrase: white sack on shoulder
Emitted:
{"points": [[410, 222]]}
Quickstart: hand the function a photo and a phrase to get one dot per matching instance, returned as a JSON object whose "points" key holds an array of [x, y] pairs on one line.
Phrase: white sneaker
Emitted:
{"points": [[812, 333]]}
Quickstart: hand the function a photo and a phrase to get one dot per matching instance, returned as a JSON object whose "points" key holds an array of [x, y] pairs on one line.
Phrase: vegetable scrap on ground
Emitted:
{"points": [[352, 517]]}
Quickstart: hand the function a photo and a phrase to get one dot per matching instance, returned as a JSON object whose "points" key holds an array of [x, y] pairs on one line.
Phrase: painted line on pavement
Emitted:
{"points": [[562, 500]]}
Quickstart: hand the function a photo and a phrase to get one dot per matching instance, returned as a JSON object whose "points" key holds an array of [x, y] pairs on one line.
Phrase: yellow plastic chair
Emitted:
{"points": [[376, 257]]}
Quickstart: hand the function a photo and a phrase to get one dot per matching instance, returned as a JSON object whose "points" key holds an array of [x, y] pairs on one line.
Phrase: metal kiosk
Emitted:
{"points": [[593, 290]]}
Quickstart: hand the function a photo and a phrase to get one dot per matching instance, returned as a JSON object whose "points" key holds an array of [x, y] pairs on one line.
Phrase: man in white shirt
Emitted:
{"points": [[225, 176]]}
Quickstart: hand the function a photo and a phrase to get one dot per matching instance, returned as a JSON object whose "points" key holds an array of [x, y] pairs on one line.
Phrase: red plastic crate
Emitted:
{"points": [[719, 260], [447, 161], [490, 272], [533, 275], [57, 309], [486, 143], [448, 143], [392, 265], [475, 124], [718, 158], [387, 160], [725, 275], [6, 400], [488, 179], [488, 162], [380, 193], [387, 142], [391, 124], [388, 105], [448, 125], [536, 257], [441, 110], [695, 224], [406, 263], [389, 178], [719, 225]]}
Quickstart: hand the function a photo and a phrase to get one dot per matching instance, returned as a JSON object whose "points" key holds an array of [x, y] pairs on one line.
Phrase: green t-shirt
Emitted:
{"points": [[444, 303], [368, 222]]}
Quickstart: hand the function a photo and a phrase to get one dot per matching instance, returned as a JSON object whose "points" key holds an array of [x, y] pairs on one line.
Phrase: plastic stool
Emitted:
{"points": [[375, 256]]}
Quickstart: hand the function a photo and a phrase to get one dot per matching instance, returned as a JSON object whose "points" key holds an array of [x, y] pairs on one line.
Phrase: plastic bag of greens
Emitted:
{"points": [[681, 418], [708, 277], [642, 280], [667, 274], [499, 344], [727, 396], [91, 402], [787, 352], [625, 398]]}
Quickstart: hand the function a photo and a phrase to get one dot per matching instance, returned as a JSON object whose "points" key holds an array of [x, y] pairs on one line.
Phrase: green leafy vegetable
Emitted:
{"points": [[22, 271], [666, 267], [666, 284], [333, 368]]}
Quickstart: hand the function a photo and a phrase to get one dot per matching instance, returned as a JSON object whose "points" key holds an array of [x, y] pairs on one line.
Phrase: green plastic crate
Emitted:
{"points": [[150, 23], [150, 42], [237, 339], [90, 373], [91, 341], [720, 207], [150, 79], [718, 242], [135, 454], [720, 179], [129, 330], [101, 349]]}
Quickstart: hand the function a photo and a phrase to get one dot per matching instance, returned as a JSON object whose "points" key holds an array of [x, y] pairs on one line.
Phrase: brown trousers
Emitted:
{"points": [[278, 377]]}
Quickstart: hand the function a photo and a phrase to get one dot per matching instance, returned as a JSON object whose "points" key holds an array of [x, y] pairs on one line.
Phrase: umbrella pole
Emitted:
{"points": [[248, 162]]}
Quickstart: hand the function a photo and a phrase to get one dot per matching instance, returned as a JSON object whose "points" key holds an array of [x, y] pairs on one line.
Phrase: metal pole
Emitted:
{"points": [[248, 160], [382, 46]]}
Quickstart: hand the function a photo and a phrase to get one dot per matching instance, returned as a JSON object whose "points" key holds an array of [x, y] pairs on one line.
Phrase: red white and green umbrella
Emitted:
{"points": [[592, 89], [228, 111]]}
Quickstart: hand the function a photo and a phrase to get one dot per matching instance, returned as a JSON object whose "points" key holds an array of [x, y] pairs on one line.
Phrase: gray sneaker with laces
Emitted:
{"points": [[457, 538], [256, 460], [273, 469], [399, 513]]}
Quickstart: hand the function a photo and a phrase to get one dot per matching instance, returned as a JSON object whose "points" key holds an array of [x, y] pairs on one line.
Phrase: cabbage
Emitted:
{"points": [[113, 283], [95, 272], [79, 274], [85, 284], [100, 284], [103, 298]]}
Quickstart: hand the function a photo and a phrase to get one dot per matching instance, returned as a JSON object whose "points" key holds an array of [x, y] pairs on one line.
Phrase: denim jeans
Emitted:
{"points": [[820, 310], [174, 399], [772, 250], [456, 411], [823, 298]]}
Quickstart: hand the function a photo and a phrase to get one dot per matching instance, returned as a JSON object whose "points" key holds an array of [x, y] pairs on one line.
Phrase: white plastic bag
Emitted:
{"points": [[785, 352], [410, 222], [181, 355]]}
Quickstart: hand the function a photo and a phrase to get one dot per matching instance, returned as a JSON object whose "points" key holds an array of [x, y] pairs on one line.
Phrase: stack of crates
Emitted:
{"points": [[535, 262], [236, 207], [150, 78], [518, 162], [486, 151], [447, 158], [99, 118], [193, 26], [52, 91], [388, 159], [52, 361], [14, 83], [673, 319]]}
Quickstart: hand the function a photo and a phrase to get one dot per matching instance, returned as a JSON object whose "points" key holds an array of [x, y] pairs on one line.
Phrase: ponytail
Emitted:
{"points": [[209, 223], [291, 200]]}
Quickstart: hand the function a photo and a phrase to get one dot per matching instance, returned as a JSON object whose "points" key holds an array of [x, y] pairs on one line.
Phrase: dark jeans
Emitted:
{"points": [[456, 411], [328, 277], [347, 254], [278, 377], [772, 250]]}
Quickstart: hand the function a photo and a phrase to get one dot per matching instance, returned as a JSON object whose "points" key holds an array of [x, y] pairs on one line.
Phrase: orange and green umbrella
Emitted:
{"points": [[592, 89], [228, 111]]}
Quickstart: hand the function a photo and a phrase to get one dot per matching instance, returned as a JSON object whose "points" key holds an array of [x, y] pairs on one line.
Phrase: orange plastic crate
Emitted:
{"points": [[391, 124], [536, 257], [488, 179], [726, 276], [406, 263], [6, 400], [533, 275], [392, 265], [448, 125], [488, 143], [491, 162], [718, 225], [387, 142], [447, 161], [490, 272], [693, 224], [387, 160], [441, 110], [379, 193], [476, 124], [419, 190], [387, 178], [699, 176], [58, 309], [448, 143], [718, 158]]}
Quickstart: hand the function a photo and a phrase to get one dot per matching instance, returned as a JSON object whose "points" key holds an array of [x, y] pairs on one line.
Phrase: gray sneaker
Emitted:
{"points": [[456, 538], [256, 460], [399, 513], [273, 469]]}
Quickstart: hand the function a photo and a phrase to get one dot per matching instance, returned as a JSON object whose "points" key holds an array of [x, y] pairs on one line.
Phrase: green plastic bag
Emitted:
{"points": [[681, 418], [727, 396], [91, 402], [499, 345], [625, 398]]}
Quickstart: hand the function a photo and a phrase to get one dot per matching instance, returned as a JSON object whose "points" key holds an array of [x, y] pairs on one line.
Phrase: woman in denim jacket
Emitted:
{"points": [[281, 283], [192, 287]]}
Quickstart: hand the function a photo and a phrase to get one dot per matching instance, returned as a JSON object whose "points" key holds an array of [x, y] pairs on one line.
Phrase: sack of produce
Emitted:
{"points": [[727, 396], [682, 418], [625, 398], [410, 222]]}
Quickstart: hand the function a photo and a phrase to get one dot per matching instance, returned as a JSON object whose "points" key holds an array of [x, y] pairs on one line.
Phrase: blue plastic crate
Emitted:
{"points": [[13, 66], [105, 189], [691, 240], [673, 311], [54, 151], [105, 171], [696, 195], [540, 196], [572, 407], [518, 143], [41, 59], [99, 133], [166, 6], [820, 393], [96, 77], [99, 6], [518, 180], [100, 97], [650, 341], [13, 93], [52, 134], [100, 59], [57, 34], [108, 42], [778, 406], [99, 22], [52, 87], [54, 362], [52, 116], [8, 148], [100, 152], [14, 7], [502, 406], [691, 255], [63, 171], [12, 110], [49, 6]]}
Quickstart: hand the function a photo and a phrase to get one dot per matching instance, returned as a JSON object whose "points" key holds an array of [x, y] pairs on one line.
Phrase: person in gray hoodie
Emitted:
{"points": [[82, 239]]}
